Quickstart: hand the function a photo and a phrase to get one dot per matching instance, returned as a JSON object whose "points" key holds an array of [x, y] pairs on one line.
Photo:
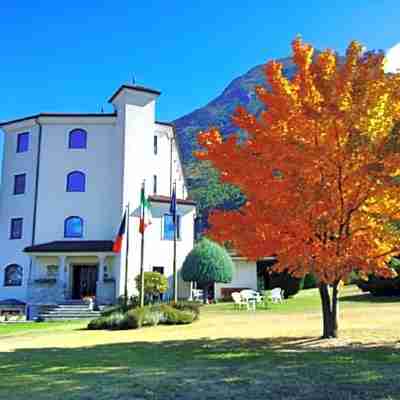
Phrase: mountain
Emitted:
{"points": [[203, 180], [241, 91]]}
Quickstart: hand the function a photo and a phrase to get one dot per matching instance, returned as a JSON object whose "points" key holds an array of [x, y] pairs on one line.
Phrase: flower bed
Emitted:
{"points": [[168, 314]]}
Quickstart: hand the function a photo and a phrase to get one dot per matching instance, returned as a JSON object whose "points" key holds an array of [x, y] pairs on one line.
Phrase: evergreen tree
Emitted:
{"points": [[206, 264]]}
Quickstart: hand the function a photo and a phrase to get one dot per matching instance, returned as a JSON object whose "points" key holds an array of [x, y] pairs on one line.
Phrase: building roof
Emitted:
{"points": [[167, 199], [12, 302], [133, 87], [165, 123], [61, 115], [72, 246]]}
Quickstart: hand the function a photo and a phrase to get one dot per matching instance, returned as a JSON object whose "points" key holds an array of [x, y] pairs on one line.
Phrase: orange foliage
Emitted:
{"points": [[317, 167]]}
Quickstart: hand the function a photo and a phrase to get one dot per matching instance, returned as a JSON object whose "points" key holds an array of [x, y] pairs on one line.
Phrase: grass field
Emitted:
{"points": [[227, 354]]}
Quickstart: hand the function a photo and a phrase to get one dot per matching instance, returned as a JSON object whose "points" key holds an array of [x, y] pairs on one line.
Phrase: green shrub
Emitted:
{"points": [[352, 278], [192, 306], [289, 284], [178, 313], [310, 281], [133, 301], [155, 284], [136, 317], [98, 323], [173, 316], [144, 316], [207, 262], [113, 309], [378, 286], [117, 321]]}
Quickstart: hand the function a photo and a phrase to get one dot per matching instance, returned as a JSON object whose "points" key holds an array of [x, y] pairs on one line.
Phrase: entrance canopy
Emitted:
{"points": [[72, 269], [72, 246]]}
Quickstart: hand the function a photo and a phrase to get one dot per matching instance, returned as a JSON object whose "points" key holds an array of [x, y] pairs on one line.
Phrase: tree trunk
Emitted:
{"points": [[329, 311], [335, 307], [205, 293]]}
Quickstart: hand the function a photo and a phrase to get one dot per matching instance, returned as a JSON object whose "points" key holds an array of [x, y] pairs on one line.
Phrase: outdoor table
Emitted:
{"points": [[252, 303]]}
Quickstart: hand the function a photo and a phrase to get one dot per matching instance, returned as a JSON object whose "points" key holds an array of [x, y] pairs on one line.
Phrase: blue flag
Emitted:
{"points": [[172, 208]]}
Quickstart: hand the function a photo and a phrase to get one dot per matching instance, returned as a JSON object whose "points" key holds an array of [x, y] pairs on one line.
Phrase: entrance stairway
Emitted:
{"points": [[67, 310]]}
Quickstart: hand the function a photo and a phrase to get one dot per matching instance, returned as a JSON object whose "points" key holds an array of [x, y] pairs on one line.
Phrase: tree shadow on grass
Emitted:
{"points": [[369, 298], [276, 368]]}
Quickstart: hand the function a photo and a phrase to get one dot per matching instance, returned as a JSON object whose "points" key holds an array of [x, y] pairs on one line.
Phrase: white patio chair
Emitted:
{"points": [[250, 297], [238, 300], [252, 294], [276, 295], [197, 295]]}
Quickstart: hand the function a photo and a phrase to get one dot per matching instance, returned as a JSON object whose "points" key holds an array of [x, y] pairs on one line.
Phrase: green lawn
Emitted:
{"points": [[228, 354], [22, 328]]}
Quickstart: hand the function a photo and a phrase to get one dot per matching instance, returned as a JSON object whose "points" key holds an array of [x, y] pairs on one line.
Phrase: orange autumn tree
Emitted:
{"points": [[318, 169]]}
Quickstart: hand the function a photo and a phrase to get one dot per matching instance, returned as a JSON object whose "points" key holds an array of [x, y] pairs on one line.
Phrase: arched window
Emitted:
{"points": [[76, 182], [13, 275], [78, 139], [73, 227]]}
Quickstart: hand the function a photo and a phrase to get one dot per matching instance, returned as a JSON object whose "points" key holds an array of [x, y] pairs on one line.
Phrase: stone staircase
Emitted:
{"points": [[67, 310]]}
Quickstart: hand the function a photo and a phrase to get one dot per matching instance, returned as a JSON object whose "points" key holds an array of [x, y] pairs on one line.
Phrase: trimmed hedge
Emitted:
{"points": [[289, 284], [174, 314], [378, 286], [310, 282], [192, 306]]}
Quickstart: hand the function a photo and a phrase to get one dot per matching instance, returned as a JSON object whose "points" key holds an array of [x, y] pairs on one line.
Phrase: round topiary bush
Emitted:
{"points": [[207, 263]]}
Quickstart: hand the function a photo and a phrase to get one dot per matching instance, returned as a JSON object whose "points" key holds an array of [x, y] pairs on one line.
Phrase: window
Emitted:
{"points": [[52, 271], [155, 184], [168, 231], [16, 228], [160, 270], [76, 182], [78, 139], [13, 275], [19, 183], [155, 144], [23, 142], [73, 227]]}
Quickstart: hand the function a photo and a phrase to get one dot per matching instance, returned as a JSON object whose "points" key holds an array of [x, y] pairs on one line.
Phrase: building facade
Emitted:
{"points": [[66, 182]]}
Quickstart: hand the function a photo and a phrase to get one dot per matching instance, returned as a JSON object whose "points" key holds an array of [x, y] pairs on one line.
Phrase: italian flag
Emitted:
{"points": [[145, 212]]}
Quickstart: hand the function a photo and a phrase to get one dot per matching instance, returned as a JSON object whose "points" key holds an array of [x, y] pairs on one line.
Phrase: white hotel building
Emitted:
{"points": [[66, 180]]}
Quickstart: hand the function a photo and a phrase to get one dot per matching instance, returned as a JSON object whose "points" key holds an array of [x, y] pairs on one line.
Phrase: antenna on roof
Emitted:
{"points": [[102, 110], [133, 80]]}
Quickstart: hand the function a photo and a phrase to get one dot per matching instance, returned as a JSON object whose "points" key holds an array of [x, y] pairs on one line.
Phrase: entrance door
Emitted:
{"points": [[84, 281]]}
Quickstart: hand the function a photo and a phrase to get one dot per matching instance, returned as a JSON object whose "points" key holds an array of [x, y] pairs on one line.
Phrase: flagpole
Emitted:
{"points": [[174, 259], [141, 294], [126, 255]]}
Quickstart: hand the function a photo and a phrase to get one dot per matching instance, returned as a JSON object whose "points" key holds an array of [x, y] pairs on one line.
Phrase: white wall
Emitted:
{"points": [[17, 206], [98, 206], [136, 119], [160, 251], [244, 276], [162, 166]]}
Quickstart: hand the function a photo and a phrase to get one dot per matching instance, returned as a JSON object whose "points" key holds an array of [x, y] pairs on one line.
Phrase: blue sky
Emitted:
{"points": [[71, 57]]}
